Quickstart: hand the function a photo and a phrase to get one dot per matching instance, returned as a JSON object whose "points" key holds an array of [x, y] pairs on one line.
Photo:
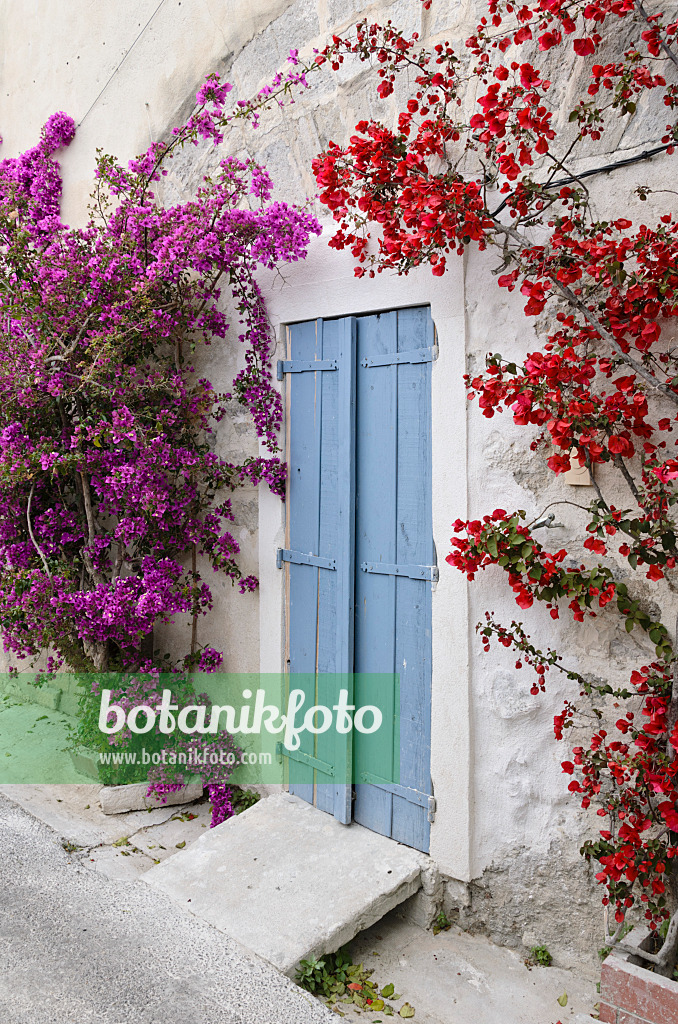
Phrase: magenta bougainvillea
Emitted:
{"points": [[109, 478], [112, 495]]}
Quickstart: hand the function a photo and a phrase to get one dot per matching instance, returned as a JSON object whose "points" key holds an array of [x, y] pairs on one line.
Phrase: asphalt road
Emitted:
{"points": [[77, 947]]}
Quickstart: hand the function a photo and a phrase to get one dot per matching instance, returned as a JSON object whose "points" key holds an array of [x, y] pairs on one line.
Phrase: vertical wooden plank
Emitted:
{"points": [[336, 595], [327, 547], [344, 642], [376, 489], [321, 514], [304, 523], [414, 532]]}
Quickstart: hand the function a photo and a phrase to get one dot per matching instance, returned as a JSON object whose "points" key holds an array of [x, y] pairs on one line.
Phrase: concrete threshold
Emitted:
{"points": [[288, 881]]}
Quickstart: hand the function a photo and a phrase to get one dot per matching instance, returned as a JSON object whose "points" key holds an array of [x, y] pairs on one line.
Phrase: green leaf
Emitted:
{"points": [[408, 1011], [388, 990], [180, 846], [377, 1004], [562, 1000], [492, 546]]}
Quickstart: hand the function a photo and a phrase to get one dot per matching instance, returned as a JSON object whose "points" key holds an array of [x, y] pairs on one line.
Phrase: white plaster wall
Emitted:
{"points": [[59, 56], [504, 815]]}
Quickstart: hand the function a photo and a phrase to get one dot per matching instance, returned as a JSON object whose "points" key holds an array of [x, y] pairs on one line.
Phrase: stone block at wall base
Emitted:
{"points": [[45, 696], [423, 908], [630, 994], [119, 799], [86, 762], [68, 705]]}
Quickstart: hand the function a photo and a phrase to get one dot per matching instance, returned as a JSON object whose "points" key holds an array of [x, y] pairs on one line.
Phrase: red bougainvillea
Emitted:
{"points": [[602, 385]]}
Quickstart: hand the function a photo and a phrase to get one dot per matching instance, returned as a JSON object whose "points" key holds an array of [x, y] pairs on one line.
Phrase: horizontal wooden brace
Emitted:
{"points": [[305, 366], [414, 572], [307, 759], [301, 558], [416, 355], [413, 795]]}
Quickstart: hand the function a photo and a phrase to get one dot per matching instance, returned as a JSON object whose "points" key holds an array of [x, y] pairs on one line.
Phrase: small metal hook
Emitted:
{"points": [[548, 523]]}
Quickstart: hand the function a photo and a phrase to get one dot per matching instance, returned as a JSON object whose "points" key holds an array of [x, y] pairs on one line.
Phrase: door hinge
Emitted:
{"points": [[416, 355], [431, 816], [304, 366], [414, 572], [300, 558]]}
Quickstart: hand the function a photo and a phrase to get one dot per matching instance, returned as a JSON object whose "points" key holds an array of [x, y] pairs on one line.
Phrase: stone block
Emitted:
{"points": [[420, 909], [86, 762], [119, 799], [68, 704], [288, 881], [45, 696]]}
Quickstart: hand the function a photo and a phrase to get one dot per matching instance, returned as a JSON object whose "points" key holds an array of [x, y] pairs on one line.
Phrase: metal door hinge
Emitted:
{"points": [[414, 572], [416, 355], [304, 366], [431, 816], [301, 558]]}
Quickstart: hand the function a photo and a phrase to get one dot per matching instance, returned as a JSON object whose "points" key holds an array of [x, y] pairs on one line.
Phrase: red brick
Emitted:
{"points": [[639, 992], [607, 1013], [629, 1018]]}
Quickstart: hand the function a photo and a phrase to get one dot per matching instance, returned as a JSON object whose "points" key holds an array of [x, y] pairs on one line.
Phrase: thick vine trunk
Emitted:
{"points": [[668, 954], [98, 655], [669, 951], [672, 710], [665, 959]]}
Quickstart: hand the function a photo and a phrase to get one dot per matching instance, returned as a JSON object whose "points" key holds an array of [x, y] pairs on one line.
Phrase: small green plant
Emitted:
{"points": [[327, 977], [241, 799], [70, 847], [338, 980], [540, 955], [441, 923]]}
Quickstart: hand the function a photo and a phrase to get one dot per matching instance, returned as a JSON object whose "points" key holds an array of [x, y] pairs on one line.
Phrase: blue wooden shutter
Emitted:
{"points": [[320, 553], [394, 565]]}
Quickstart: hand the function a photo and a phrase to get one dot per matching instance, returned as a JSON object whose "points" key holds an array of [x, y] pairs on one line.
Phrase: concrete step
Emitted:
{"points": [[288, 882]]}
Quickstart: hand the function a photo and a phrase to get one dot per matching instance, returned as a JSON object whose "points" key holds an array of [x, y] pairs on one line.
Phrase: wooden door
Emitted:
{"points": [[361, 560]]}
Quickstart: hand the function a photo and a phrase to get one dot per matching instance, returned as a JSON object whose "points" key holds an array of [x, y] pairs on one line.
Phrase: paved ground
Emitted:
{"points": [[122, 846], [457, 978], [82, 939], [33, 744], [77, 948]]}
